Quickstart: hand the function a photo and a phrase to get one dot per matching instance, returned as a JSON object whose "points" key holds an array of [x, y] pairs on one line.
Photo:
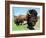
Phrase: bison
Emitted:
{"points": [[20, 19], [32, 19]]}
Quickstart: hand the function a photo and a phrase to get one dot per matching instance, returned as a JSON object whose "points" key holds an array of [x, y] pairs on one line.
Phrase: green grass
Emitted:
{"points": [[23, 27], [18, 27]]}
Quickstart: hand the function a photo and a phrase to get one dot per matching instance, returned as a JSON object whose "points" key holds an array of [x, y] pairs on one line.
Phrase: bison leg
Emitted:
{"points": [[30, 26], [17, 24]]}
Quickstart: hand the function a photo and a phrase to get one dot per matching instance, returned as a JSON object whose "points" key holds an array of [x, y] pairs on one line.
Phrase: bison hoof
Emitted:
{"points": [[30, 28]]}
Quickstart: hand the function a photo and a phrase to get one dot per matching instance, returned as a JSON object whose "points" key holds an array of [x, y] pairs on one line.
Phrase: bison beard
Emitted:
{"points": [[31, 19]]}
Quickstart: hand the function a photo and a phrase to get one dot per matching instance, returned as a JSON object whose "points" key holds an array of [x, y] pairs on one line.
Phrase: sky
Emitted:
{"points": [[23, 10]]}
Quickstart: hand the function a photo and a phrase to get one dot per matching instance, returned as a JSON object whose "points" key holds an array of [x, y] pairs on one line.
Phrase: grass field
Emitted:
{"points": [[24, 27]]}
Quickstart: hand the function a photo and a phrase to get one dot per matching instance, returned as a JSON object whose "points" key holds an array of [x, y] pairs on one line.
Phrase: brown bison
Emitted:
{"points": [[20, 19]]}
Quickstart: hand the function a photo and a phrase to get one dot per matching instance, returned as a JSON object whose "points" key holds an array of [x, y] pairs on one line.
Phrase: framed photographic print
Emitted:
{"points": [[24, 18]]}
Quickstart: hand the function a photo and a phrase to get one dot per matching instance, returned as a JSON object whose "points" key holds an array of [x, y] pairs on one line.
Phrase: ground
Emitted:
{"points": [[24, 27]]}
